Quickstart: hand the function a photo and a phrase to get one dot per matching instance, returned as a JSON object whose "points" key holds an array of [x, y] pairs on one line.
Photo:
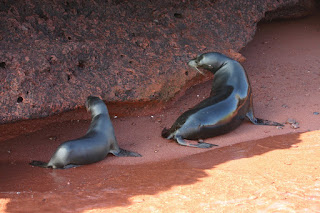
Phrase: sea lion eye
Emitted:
{"points": [[199, 58]]}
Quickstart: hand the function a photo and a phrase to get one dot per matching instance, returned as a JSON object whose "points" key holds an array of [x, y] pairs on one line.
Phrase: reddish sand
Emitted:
{"points": [[279, 172]]}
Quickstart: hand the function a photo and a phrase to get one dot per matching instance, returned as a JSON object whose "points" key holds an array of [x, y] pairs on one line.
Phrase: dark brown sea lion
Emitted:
{"points": [[230, 102], [94, 146]]}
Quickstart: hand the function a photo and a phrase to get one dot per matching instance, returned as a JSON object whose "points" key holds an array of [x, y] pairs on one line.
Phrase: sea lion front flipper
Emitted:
{"points": [[50, 166], [39, 163], [125, 153], [203, 145], [259, 121], [69, 166]]}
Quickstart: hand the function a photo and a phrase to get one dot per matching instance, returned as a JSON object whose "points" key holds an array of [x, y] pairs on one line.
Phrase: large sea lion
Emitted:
{"points": [[230, 102], [94, 146]]}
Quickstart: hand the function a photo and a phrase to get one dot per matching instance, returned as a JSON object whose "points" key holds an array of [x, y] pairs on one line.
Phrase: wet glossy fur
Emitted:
{"points": [[94, 146], [230, 102]]}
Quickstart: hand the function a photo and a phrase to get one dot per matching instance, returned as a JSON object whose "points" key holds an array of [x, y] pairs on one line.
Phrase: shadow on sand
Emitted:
{"points": [[107, 186]]}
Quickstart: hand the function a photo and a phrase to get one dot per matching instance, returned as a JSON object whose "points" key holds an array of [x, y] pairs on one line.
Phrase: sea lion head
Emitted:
{"points": [[194, 63], [208, 61], [96, 106]]}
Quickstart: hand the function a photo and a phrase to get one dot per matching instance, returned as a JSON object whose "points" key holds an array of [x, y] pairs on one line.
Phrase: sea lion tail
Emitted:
{"points": [[39, 163], [126, 153], [166, 133]]}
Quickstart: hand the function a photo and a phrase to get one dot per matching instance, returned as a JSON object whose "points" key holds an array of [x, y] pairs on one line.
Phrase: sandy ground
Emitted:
{"points": [[283, 65]]}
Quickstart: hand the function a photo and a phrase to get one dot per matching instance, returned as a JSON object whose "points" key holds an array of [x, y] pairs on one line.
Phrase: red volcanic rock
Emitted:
{"points": [[54, 54]]}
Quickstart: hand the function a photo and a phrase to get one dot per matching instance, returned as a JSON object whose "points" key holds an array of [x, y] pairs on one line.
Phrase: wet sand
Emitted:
{"points": [[255, 168]]}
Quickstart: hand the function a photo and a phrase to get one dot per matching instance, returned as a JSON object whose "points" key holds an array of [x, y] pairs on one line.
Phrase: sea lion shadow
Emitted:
{"points": [[154, 178]]}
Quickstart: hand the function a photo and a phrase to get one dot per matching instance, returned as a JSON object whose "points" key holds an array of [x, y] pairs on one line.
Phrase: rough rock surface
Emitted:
{"points": [[54, 54]]}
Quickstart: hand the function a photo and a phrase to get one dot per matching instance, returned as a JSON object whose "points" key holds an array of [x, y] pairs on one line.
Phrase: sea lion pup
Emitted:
{"points": [[94, 146], [230, 102]]}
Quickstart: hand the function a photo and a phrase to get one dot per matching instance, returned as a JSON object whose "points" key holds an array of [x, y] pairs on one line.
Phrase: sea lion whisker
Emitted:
{"points": [[193, 64], [199, 71]]}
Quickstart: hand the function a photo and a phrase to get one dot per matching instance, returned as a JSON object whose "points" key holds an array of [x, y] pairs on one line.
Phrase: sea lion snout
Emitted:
{"points": [[193, 63]]}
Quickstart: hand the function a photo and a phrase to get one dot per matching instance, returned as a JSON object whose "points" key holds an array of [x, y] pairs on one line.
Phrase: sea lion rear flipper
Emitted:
{"points": [[259, 121], [203, 145], [126, 153], [166, 133]]}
